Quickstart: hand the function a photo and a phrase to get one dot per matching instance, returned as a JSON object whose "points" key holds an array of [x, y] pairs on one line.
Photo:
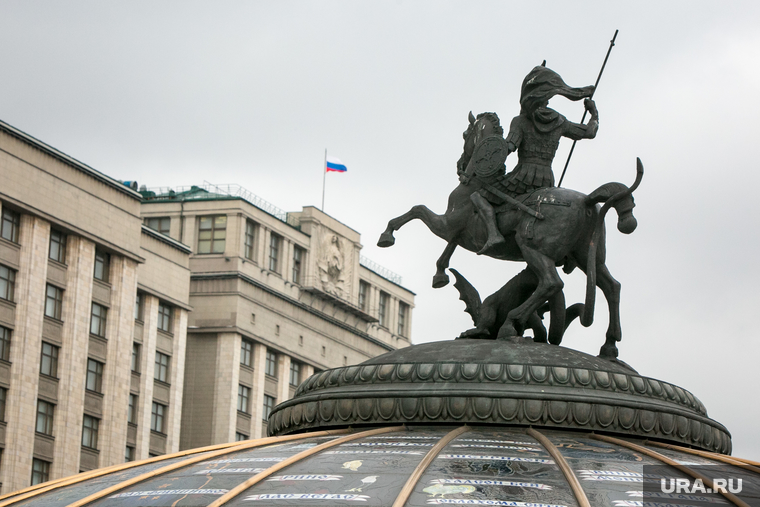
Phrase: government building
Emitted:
{"points": [[139, 323]]}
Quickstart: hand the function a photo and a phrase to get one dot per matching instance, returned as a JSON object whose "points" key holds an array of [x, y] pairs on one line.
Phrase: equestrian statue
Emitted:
{"points": [[522, 216]]}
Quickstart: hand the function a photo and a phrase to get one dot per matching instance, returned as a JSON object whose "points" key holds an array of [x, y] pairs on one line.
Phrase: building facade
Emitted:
{"points": [[276, 296], [84, 287], [134, 324]]}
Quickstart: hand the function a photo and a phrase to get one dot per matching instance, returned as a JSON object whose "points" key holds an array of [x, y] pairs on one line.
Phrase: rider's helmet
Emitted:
{"points": [[542, 83]]}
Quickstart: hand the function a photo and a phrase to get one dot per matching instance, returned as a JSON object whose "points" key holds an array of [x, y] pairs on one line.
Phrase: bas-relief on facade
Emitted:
{"points": [[118, 331]]}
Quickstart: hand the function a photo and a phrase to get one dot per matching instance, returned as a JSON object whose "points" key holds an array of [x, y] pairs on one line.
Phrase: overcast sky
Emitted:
{"points": [[175, 93]]}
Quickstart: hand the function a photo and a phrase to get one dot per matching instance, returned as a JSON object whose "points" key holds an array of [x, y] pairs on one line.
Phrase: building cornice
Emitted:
{"points": [[68, 160]]}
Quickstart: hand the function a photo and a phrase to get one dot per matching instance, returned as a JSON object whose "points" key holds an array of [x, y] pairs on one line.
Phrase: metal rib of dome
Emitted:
{"points": [[477, 466]]}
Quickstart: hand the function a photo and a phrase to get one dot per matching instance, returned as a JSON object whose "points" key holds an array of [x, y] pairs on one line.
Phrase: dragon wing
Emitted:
{"points": [[468, 294]]}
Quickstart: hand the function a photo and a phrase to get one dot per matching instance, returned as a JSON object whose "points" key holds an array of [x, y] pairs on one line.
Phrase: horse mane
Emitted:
{"points": [[493, 118]]}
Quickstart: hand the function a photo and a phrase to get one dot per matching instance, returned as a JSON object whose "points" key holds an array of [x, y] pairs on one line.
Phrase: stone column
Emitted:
{"points": [[72, 358], [307, 371], [263, 247], [177, 380], [226, 388], [283, 382], [117, 374], [21, 404], [286, 253], [147, 362], [257, 393]]}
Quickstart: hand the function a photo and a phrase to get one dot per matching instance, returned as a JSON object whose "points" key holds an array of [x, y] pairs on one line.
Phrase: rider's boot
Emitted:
{"points": [[485, 210]]}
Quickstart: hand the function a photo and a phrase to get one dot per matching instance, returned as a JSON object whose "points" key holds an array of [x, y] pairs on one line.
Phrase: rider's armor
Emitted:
{"points": [[536, 141]]}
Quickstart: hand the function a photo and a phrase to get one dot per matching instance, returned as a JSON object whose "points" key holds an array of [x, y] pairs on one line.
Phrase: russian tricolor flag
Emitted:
{"points": [[334, 164]]}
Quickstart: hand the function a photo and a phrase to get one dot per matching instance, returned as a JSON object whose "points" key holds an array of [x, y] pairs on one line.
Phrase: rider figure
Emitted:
{"points": [[535, 135]]}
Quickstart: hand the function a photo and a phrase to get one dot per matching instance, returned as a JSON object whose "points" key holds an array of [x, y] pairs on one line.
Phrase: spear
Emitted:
{"points": [[612, 43]]}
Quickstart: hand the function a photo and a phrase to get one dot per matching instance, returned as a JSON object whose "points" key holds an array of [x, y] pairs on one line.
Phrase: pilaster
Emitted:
{"points": [[283, 382], [72, 358], [117, 373], [257, 394], [147, 362], [226, 388], [177, 375], [21, 401]]}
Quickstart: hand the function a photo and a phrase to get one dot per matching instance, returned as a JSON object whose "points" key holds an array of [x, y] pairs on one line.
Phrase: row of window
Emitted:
{"points": [[244, 398], [212, 238], [382, 308], [94, 380], [161, 366], [270, 363], [9, 230]]}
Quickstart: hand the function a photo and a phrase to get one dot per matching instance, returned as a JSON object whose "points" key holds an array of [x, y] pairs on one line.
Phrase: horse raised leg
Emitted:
{"points": [[441, 279], [438, 225]]}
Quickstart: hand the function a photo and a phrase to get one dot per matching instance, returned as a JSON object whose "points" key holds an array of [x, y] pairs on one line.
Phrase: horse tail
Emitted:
{"points": [[619, 196]]}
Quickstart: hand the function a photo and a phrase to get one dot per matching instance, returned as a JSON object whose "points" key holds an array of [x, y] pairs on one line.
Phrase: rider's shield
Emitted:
{"points": [[489, 156]]}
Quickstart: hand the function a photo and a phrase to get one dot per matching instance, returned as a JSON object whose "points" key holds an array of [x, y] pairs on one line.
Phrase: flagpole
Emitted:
{"points": [[324, 178]]}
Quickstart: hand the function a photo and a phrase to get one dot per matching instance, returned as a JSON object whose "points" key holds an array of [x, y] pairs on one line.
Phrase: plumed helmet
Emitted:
{"points": [[542, 83]]}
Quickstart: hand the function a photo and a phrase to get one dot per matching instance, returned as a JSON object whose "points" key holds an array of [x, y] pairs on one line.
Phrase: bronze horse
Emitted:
{"points": [[569, 232]]}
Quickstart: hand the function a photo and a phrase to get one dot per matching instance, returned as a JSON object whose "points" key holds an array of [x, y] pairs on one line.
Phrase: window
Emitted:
{"points": [[49, 360], [90, 427], [98, 320], [40, 471], [136, 357], [246, 351], [129, 454], [295, 373], [94, 380], [382, 310], [57, 251], [269, 402], [161, 368], [270, 367], [363, 293], [298, 255], [7, 282], [139, 300], [102, 264], [250, 240], [5, 343], [10, 226], [244, 394], [212, 233], [157, 417], [274, 252], [239, 437], [3, 398], [132, 409], [53, 302], [403, 311], [44, 417], [165, 313], [160, 224], [324, 351]]}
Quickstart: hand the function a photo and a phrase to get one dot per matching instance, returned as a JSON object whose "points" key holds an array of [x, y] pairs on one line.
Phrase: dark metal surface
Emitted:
{"points": [[500, 383], [480, 466]]}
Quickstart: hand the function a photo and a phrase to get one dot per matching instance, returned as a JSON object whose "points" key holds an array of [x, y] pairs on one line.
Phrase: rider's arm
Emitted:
{"points": [[577, 131], [514, 137]]}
